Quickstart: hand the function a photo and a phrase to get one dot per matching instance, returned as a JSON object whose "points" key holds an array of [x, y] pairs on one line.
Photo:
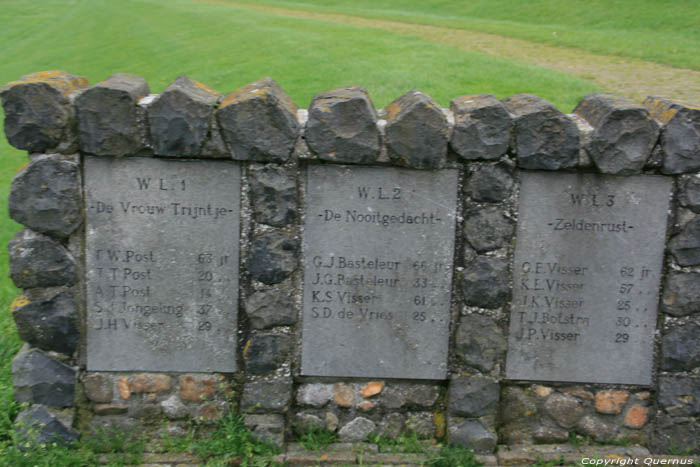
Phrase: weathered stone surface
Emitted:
{"points": [[416, 132], [680, 134], [195, 388], [344, 394], [491, 183], [372, 389], [670, 433], [517, 405], [273, 194], [357, 430], [98, 388], [46, 196], [543, 391], [480, 342], [331, 421], [36, 425], [636, 417], [315, 395], [108, 116], [38, 114], [214, 146], [272, 257], [37, 260], [681, 294], [624, 133], [271, 307], [268, 428], [110, 409], [179, 118], [304, 422], [474, 435], [399, 395], [544, 138], [391, 425], [266, 352], [679, 396], [564, 409], [47, 319], [149, 382], [258, 122], [174, 408], [689, 195], [342, 126], [545, 434], [482, 127], [610, 401], [686, 245], [39, 379], [123, 386], [267, 395], [487, 229], [681, 348], [421, 423], [596, 428], [484, 282], [473, 396]]}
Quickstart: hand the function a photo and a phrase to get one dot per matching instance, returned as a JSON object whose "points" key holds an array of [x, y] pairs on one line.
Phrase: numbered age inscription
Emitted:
{"points": [[162, 264], [378, 251], [586, 277]]}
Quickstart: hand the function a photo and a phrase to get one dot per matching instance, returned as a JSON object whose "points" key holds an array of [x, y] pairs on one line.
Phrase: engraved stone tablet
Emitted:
{"points": [[162, 264], [586, 277], [378, 250]]}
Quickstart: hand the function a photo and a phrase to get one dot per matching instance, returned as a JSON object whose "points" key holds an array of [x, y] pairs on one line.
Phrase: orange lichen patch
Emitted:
{"points": [[392, 111], [124, 389], [344, 394], [246, 348], [636, 417], [19, 302], [22, 167], [64, 82], [543, 391], [198, 388], [146, 382], [610, 402], [372, 388], [643, 395], [669, 299], [206, 88], [245, 93], [211, 412], [440, 422]]}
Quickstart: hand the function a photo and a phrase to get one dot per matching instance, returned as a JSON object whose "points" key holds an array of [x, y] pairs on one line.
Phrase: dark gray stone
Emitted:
{"points": [[679, 396], [564, 409], [266, 352], [273, 194], [99, 388], [517, 405], [268, 428], [686, 245], [473, 396], [36, 425], [267, 395], [391, 425], [596, 428], [357, 430], [48, 319], [544, 138], [421, 423], [420, 395], [259, 122], [673, 435], [490, 183], [681, 296], [484, 282], [482, 127], [580, 237], [545, 434], [108, 116], [480, 342], [488, 229], [474, 435], [689, 195], [39, 379], [46, 197], [416, 132], [305, 422], [272, 257], [681, 348], [37, 260], [624, 133], [179, 118], [680, 134], [214, 146], [38, 113], [271, 307], [342, 126]]}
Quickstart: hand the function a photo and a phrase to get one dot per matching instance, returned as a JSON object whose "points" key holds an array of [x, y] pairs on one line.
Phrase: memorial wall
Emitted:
{"points": [[498, 272]]}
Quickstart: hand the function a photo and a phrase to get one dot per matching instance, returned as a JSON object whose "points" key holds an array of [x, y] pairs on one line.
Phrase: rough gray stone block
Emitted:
{"points": [[272, 257], [342, 126], [480, 342], [686, 245], [421, 423], [566, 410], [490, 183], [273, 194], [544, 138], [268, 428], [266, 352], [681, 294], [37, 260], [624, 133], [484, 282], [473, 396], [179, 117], [258, 122], [48, 319], [679, 435], [596, 428], [315, 394], [271, 307], [545, 434], [681, 348], [39, 379], [679, 396], [38, 113], [416, 132], [46, 197], [517, 404], [482, 127], [689, 195], [680, 134], [474, 435], [267, 395], [108, 116], [36, 425], [98, 388], [357, 430], [487, 229]]}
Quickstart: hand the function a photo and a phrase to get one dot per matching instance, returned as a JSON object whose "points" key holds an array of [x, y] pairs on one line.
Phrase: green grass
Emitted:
{"points": [[665, 32]]}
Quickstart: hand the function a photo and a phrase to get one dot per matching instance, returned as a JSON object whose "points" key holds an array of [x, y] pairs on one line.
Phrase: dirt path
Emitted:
{"points": [[632, 78]]}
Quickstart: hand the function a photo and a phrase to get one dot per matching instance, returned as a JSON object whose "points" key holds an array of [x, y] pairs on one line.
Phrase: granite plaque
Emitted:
{"points": [[162, 245], [586, 277], [378, 251]]}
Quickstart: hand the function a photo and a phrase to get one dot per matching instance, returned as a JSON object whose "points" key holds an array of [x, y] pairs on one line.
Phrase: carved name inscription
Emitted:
{"points": [[586, 277], [378, 251], [162, 245]]}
